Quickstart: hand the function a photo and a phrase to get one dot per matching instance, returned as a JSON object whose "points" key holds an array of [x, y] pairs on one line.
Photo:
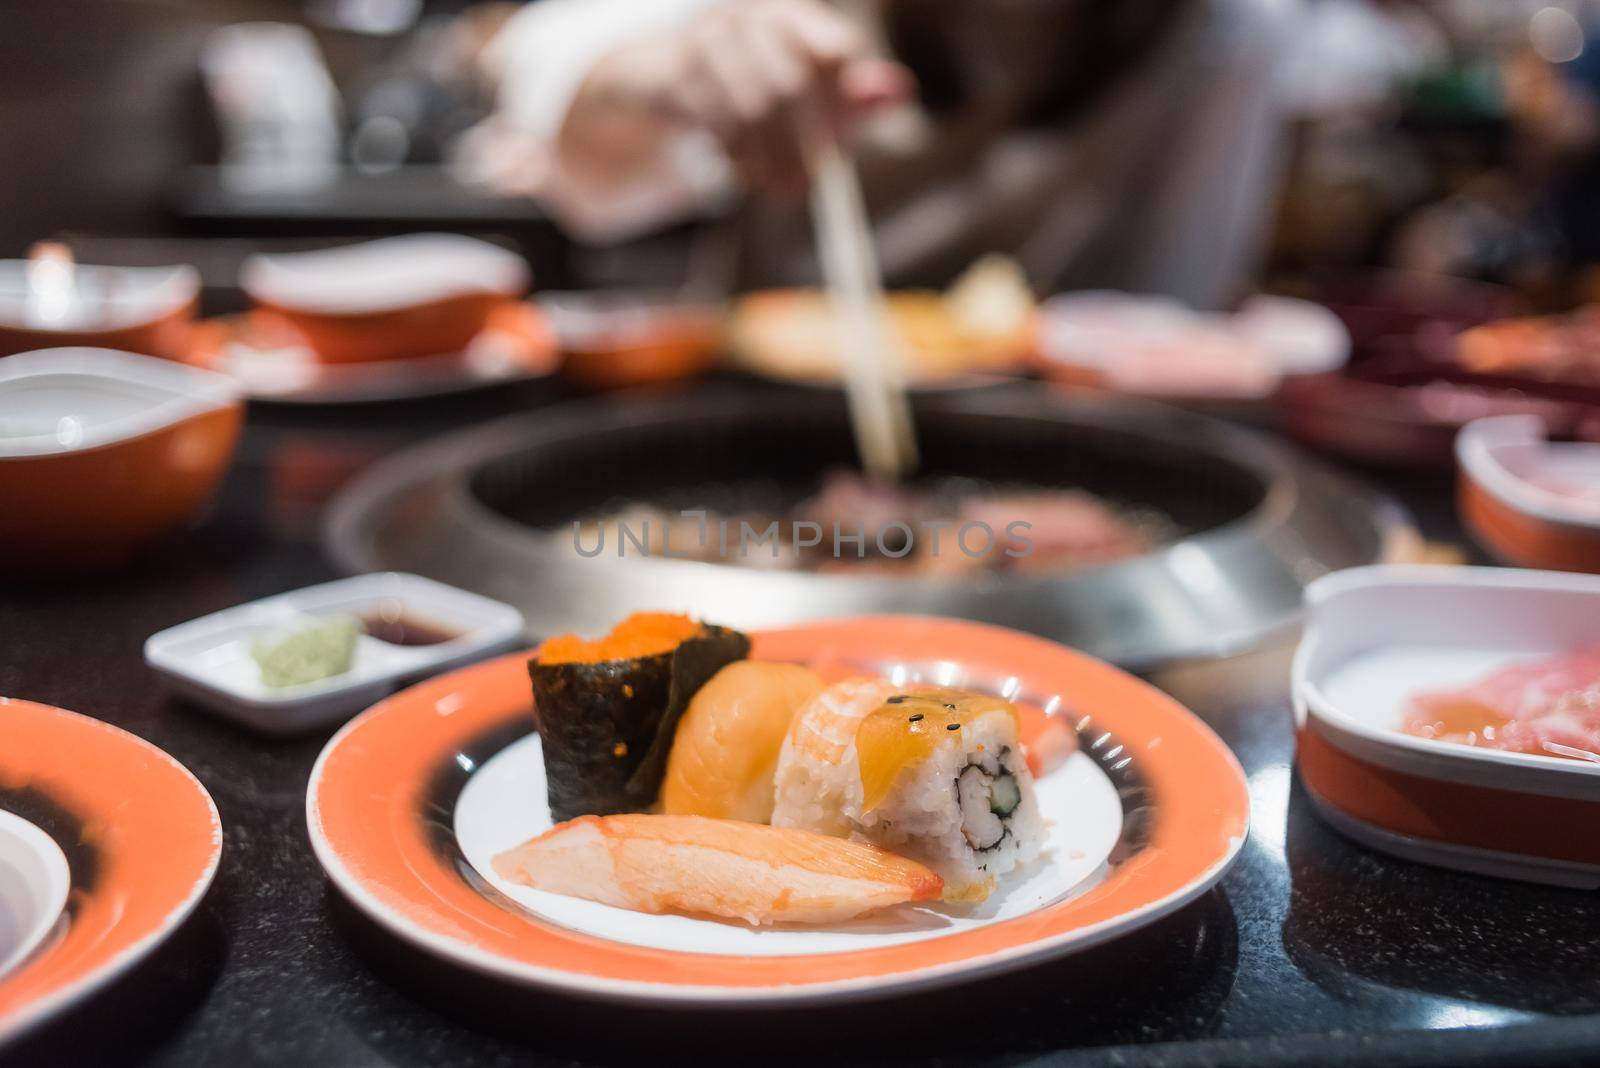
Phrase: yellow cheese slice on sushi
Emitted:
{"points": [[908, 728]]}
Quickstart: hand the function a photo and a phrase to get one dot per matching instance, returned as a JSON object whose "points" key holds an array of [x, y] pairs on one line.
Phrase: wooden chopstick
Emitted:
{"points": [[874, 376]]}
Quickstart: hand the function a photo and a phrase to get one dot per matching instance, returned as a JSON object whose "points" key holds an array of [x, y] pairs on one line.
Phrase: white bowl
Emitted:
{"points": [[1510, 456], [98, 299], [59, 401], [386, 275], [1160, 347]]}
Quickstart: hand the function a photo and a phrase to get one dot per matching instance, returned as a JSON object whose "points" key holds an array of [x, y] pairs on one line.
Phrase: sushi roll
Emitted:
{"points": [[944, 778], [727, 745], [936, 775], [607, 709]]}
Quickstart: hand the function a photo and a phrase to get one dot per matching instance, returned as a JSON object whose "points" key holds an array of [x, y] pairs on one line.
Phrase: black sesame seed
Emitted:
{"points": [[914, 718], [897, 699], [953, 727]]}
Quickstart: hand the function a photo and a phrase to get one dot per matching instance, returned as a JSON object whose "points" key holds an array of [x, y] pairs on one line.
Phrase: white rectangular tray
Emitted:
{"points": [[208, 659], [1377, 635]]}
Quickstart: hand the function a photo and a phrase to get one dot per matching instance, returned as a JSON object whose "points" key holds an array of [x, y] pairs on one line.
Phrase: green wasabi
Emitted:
{"points": [[319, 651]]}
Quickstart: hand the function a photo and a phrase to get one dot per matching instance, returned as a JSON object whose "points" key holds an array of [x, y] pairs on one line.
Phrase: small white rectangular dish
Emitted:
{"points": [[1377, 636], [209, 659]]}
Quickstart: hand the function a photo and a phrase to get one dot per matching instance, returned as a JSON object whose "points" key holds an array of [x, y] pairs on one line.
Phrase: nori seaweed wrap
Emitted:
{"points": [[607, 709]]}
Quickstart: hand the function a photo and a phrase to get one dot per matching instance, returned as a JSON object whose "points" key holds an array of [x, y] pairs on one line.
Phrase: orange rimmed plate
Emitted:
{"points": [[141, 836], [386, 801], [272, 361]]}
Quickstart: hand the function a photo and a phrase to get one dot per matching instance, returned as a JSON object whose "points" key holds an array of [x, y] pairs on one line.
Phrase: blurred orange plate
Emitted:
{"points": [[790, 336], [272, 362], [138, 870]]}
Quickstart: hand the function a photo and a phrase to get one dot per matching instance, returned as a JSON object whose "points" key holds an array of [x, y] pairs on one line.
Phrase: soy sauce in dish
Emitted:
{"points": [[390, 622]]}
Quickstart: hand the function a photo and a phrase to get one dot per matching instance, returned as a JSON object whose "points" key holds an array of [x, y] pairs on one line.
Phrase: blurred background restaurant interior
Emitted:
{"points": [[1455, 137], [1339, 230]]}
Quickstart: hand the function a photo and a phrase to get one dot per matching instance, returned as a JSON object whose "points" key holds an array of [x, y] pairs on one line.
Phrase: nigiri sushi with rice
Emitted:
{"points": [[726, 748], [725, 868], [937, 775]]}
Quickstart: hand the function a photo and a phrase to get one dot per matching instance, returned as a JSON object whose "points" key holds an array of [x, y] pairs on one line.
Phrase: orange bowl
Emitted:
{"points": [[1529, 501], [133, 309], [103, 452], [432, 329], [396, 298], [621, 340]]}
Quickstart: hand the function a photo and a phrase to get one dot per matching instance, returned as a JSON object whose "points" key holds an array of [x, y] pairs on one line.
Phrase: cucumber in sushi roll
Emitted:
{"points": [[607, 709]]}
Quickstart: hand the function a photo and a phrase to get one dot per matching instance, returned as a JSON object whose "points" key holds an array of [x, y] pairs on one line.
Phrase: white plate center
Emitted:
{"points": [[34, 880], [503, 805]]}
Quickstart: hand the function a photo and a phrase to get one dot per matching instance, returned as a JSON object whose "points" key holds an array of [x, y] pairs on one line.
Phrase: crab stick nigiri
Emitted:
{"points": [[726, 868]]}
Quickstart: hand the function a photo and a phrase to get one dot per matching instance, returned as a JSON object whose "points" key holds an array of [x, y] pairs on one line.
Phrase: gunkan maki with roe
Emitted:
{"points": [[607, 708]]}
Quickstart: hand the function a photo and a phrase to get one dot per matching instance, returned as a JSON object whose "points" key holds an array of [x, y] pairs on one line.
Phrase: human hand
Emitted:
{"points": [[768, 78]]}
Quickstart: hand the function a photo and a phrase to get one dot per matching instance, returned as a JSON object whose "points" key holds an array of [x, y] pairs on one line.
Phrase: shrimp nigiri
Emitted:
{"points": [[726, 868]]}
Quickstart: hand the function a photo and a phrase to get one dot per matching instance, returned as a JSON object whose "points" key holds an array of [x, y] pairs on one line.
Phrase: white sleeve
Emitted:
{"points": [[542, 56]]}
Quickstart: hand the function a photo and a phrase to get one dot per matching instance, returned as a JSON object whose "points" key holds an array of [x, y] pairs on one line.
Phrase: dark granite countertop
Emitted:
{"points": [[1313, 950]]}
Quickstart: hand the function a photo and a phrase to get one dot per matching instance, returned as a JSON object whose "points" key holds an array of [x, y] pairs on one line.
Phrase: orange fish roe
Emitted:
{"points": [[641, 634]]}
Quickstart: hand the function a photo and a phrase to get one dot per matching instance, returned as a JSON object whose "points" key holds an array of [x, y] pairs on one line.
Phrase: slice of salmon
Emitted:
{"points": [[696, 864], [1047, 741], [726, 748]]}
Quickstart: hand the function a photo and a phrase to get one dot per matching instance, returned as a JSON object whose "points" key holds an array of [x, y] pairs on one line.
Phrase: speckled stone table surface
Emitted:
{"points": [[1313, 950]]}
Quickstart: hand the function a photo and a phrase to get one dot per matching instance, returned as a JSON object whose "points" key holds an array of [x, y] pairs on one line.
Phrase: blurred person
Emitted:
{"points": [[1130, 145]]}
